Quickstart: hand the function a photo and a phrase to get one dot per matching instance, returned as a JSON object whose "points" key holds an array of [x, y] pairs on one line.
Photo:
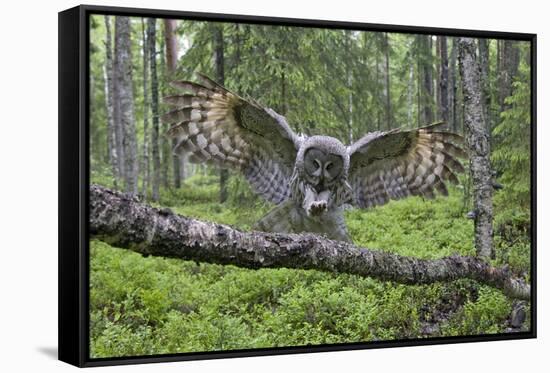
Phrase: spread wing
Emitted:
{"points": [[215, 126], [397, 164]]}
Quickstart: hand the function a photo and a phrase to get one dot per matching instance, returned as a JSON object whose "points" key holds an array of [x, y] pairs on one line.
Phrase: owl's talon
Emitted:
{"points": [[317, 208]]}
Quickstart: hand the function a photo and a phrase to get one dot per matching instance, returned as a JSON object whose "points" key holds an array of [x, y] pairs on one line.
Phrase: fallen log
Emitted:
{"points": [[123, 221]]}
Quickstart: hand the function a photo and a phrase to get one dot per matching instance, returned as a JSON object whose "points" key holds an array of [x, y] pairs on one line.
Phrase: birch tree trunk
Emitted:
{"points": [[427, 79], [378, 100], [171, 65], [387, 80], [117, 119], [283, 91], [111, 125], [453, 88], [478, 140], [438, 64], [123, 79], [165, 149], [218, 58], [145, 167], [509, 64], [485, 84], [443, 80], [349, 86], [152, 42], [410, 88], [350, 107]]}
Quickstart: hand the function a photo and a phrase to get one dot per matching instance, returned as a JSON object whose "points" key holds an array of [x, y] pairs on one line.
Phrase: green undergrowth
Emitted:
{"points": [[150, 305]]}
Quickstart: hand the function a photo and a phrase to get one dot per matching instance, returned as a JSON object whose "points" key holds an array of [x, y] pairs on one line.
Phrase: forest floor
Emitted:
{"points": [[150, 305]]}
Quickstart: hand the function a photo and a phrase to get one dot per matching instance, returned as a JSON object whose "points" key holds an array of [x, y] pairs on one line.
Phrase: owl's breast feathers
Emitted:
{"points": [[317, 203]]}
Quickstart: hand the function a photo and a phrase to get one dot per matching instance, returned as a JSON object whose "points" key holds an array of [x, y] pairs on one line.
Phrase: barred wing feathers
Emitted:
{"points": [[397, 164], [215, 126]]}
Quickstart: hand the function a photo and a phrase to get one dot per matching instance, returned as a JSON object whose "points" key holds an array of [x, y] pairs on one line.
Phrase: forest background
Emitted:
{"points": [[338, 82]]}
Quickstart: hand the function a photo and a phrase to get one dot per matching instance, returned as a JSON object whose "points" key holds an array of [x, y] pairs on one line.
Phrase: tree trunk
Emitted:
{"points": [[509, 68], [283, 91], [427, 80], [111, 125], [377, 95], [164, 143], [437, 84], [453, 88], [349, 86], [118, 127], [123, 222], [387, 87], [501, 74], [410, 89], [171, 66], [349, 83], [152, 47], [419, 111], [486, 88], [218, 47], [125, 99], [443, 80], [146, 169], [478, 140]]}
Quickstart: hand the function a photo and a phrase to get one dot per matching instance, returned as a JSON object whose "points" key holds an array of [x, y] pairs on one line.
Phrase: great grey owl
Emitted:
{"points": [[310, 179]]}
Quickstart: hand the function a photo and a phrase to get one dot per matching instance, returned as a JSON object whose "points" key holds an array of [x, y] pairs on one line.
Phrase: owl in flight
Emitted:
{"points": [[310, 179]]}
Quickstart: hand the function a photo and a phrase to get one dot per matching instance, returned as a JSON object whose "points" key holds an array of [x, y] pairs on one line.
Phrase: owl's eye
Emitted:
{"points": [[316, 163], [329, 166]]}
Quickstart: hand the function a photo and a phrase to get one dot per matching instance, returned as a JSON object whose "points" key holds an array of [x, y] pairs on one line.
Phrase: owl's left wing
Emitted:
{"points": [[400, 163], [215, 126]]}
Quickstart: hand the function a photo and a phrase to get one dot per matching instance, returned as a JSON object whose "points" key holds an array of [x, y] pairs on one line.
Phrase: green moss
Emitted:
{"points": [[485, 315], [415, 227], [151, 305]]}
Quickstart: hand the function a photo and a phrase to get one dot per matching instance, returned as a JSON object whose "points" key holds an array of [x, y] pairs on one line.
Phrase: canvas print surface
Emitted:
{"points": [[263, 186]]}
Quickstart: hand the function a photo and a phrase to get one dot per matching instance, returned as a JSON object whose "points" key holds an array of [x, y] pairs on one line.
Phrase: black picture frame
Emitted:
{"points": [[74, 181]]}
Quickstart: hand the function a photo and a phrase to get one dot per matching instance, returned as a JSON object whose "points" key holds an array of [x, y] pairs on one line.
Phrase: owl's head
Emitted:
{"points": [[323, 162]]}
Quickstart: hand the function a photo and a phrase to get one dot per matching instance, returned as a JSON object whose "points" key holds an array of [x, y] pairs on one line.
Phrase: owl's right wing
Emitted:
{"points": [[215, 126]]}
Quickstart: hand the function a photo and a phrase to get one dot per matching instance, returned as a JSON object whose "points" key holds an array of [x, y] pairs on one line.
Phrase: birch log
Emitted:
{"points": [[122, 221]]}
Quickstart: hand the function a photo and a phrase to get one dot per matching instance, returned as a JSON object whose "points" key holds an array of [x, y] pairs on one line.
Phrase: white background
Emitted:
{"points": [[28, 185]]}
